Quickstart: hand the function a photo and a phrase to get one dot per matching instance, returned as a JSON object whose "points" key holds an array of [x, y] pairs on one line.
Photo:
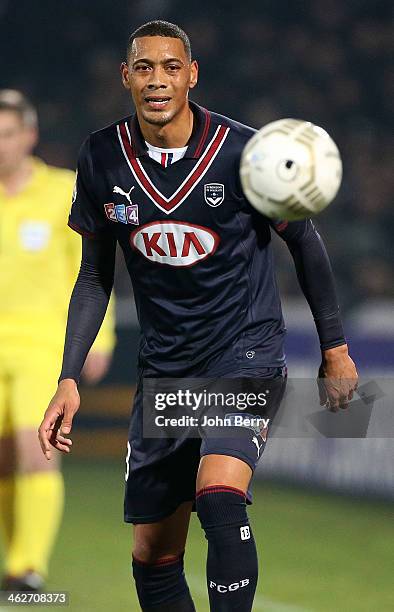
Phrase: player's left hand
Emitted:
{"points": [[337, 378], [96, 366]]}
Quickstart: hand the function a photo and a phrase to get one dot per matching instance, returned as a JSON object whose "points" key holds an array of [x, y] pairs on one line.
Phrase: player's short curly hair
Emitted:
{"points": [[160, 28], [15, 101]]}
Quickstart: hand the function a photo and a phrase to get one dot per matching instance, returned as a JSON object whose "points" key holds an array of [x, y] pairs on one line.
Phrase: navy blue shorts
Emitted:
{"points": [[161, 473]]}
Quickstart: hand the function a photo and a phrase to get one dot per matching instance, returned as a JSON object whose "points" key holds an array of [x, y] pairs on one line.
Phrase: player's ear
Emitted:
{"points": [[193, 74], [124, 71]]}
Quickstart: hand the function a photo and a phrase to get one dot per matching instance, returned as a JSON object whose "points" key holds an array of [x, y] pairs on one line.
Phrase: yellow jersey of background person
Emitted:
{"points": [[39, 262]]}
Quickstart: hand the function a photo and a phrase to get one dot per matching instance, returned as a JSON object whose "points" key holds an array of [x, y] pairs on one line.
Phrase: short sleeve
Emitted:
{"points": [[86, 216]]}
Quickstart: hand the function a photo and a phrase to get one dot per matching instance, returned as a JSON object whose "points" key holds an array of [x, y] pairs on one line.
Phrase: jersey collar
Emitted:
{"points": [[198, 139]]}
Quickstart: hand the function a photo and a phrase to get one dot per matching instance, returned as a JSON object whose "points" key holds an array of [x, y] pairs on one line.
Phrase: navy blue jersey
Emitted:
{"points": [[198, 255]]}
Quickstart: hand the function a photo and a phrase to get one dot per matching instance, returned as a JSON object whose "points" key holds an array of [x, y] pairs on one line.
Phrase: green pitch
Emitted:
{"points": [[317, 552]]}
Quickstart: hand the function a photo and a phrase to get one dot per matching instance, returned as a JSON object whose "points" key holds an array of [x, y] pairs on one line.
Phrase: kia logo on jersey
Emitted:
{"points": [[174, 243]]}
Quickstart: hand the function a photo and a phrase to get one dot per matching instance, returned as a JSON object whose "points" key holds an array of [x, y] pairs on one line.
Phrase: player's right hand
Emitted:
{"points": [[58, 418]]}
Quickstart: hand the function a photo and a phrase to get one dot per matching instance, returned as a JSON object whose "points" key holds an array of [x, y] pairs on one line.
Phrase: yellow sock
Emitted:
{"points": [[38, 507], [6, 510]]}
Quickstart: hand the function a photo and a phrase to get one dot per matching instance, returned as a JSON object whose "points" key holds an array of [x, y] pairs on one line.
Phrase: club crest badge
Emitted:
{"points": [[214, 194]]}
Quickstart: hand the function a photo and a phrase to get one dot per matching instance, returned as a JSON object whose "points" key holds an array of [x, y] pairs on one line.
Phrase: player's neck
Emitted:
{"points": [[174, 135], [16, 179]]}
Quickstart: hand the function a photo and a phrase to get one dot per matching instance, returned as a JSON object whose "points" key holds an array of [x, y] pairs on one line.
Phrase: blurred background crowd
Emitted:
{"points": [[328, 62]]}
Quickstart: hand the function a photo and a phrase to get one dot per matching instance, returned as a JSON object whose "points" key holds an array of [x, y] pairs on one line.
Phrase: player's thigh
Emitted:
{"points": [[165, 538], [33, 385], [225, 470]]}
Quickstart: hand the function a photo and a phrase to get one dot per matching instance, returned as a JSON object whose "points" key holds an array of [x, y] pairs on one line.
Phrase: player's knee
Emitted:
{"points": [[223, 470], [149, 554], [151, 558], [206, 481]]}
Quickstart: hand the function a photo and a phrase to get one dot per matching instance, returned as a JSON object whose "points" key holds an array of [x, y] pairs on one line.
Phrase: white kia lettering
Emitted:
{"points": [[174, 243]]}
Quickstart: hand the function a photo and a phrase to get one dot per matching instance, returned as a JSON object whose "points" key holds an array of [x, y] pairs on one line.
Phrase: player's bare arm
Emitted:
{"points": [[96, 366]]}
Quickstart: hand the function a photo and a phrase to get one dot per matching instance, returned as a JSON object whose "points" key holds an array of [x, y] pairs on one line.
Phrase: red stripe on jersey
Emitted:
{"points": [[126, 142], [163, 159], [146, 183], [204, 134]]}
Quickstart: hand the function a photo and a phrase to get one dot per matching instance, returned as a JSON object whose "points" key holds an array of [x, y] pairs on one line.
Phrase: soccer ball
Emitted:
{"points": [[290, 169]]}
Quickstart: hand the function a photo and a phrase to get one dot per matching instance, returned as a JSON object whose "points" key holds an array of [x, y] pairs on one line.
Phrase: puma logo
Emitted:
{"points": [[258, 446], [126, 194]]}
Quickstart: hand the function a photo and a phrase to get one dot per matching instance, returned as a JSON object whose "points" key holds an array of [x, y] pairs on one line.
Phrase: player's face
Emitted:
{"points": [[16, 141], [159, 75]]}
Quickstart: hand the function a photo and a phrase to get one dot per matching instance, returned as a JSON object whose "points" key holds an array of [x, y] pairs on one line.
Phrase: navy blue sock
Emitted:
{"points": [[161, 586], [232, 566]]}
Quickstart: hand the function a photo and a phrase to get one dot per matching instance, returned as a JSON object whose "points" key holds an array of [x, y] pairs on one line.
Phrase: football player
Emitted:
{"points": [[164, 184]]}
